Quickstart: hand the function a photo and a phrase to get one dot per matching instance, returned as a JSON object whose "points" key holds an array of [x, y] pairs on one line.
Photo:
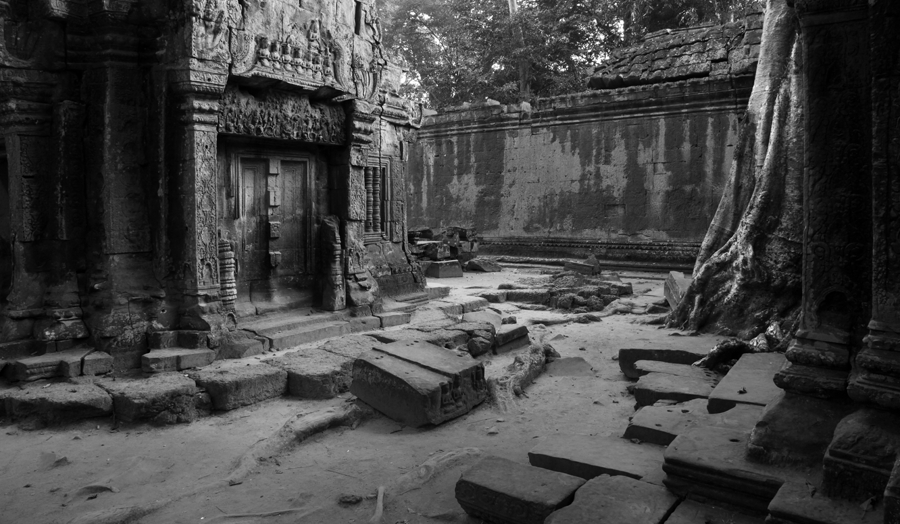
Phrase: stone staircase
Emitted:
{"points": [[703, 473]]}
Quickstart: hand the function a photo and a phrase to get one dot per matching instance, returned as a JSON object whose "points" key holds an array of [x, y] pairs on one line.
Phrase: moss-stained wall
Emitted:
{"points": [[586, 172]]}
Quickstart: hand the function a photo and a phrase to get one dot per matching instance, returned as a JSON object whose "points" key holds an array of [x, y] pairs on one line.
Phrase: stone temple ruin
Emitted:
{"points": [[188, 185], [171, 171]]}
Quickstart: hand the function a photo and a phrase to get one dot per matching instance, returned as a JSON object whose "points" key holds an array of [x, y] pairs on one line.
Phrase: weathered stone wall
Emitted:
{"points": [[632, 174], [120, 123], [638, 169]]}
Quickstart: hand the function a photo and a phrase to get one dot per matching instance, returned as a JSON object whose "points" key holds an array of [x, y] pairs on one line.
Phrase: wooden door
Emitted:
{"points": [[252, 249]]}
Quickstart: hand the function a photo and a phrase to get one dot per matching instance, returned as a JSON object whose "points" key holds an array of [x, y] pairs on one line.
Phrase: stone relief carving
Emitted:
{"points": [[205, 188], [281, 115], [209, 28]]}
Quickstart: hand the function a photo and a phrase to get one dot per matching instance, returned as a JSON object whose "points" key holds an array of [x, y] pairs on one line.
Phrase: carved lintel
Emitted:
{"points": [[198, 77]]}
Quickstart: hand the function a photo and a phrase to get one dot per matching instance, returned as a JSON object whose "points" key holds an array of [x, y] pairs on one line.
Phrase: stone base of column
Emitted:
{"points": [[813, 381], [861, 456], [796, 430]]}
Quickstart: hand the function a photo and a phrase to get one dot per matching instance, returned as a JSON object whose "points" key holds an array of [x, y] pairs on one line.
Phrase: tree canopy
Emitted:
{"points": [[467, 50]]}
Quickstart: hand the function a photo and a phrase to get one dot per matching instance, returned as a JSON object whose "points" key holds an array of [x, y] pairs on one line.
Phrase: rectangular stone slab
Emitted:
{"points": [[794, 505], [676, 355], [616, 500], [661, 424], [644, 367], [444, 269], [169, 396], [753, 374], [654, 387], [711, 463], [62, 363], [233, 384], [589, 457], [692, 512], [58, 403], [675, 287], [505, 492], [421, 387], [176, 359]]}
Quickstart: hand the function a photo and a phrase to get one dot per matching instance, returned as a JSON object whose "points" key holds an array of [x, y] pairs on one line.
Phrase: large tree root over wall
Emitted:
{"points": [[748, 273]]}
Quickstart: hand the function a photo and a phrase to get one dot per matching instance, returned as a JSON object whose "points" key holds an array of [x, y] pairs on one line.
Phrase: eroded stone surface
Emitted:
{"points": [[506, 492], [176, 359], [52, 404], [417, 383], [750, 381], [588, 457], [232, 384], [654, 387], [660, 424], [794, 504], [711, 463], [164, 398], [616, 500], [315, 374], [691, 512], [861, 455], [61, 363], [686, 355], [643, 367]]}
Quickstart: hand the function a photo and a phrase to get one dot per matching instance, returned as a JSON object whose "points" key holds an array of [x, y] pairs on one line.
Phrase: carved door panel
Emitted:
{"points": [[252, 249], [294, 214], [5, 230]]}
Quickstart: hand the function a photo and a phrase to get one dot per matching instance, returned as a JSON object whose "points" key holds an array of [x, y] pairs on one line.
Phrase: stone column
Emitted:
{"points": [[197, 86], [878, 376], [836, 239], [837, 203]]}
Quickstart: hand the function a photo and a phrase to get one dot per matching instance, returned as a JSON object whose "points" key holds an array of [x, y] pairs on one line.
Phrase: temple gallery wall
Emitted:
{"points": [[631, 171]]}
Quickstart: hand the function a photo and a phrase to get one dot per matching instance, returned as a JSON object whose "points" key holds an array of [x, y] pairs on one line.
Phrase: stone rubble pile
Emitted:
{"points": [[445, 253]]}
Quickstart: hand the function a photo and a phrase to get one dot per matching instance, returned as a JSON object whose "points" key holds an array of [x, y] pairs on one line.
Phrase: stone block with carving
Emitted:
{"points": [[417, 383]]}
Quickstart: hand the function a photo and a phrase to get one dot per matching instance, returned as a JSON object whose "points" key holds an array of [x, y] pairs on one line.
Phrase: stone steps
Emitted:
{"points": [[660, 424], [796, 503], [710, 464], [628, 357], [750, 381], [617, 500], [654, 387], [589, 457], [176, 359], [67, 364]]}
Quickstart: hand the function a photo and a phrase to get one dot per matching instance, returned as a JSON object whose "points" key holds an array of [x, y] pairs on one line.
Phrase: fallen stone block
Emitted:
{"points": [[589, 457], [528, 296], [616, 500], [163, 398], [483, 265], [62, 363], [232, 384], [675, 287], [462, 304], [660, 424], [53, 404], [494, 297], [691, 512], [484, 316], [394, 318], [794, 504], [654, 387], [241, 344], [643, 367], [351, 346], [96, 363], [436, 292], [511, 337], [750, 381], [506, 492], [629, 356], [315, 374], [444, 269], [176, 359], [417, 383], [711, 463], [579, 267], [478, 346]]}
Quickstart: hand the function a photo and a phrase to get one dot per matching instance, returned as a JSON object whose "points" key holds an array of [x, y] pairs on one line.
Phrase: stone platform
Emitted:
{"points": [[660, 424], [750, 381]]}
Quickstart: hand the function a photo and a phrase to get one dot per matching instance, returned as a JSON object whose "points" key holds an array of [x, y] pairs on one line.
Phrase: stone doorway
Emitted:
{"points": [[273, 205]]}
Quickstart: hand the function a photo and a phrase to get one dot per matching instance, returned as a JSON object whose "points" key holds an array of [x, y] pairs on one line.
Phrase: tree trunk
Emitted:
{"points": [[524, 64], [747, 274]]}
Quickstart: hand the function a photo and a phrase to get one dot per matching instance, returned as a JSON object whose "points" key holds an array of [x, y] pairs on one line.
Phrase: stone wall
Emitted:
{"points": [[632, 174]]}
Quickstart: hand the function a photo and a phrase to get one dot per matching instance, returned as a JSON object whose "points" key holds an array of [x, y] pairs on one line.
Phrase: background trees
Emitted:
{"points": [[467, 50]]}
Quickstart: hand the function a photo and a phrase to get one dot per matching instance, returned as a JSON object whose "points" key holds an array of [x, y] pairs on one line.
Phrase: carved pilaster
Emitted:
{"points": [[836, 262], [878, 379]]}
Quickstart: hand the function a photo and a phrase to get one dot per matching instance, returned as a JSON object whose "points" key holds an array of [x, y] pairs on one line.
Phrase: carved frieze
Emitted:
{"points": [[281, 115]]}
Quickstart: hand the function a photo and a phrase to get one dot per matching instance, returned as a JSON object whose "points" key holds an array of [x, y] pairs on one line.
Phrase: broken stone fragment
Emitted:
{"points": [[232, 384], [619, 500], [315, 374], [417, 383], [506, 492], [60, 364], [176, 359], [58, 403], [164, 398]]}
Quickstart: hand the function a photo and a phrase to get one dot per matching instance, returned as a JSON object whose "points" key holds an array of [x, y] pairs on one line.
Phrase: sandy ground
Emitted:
{"points": [[174, 474]]}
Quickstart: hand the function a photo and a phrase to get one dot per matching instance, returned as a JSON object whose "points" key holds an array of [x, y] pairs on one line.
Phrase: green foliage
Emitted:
{"points": [[467, 50]]}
